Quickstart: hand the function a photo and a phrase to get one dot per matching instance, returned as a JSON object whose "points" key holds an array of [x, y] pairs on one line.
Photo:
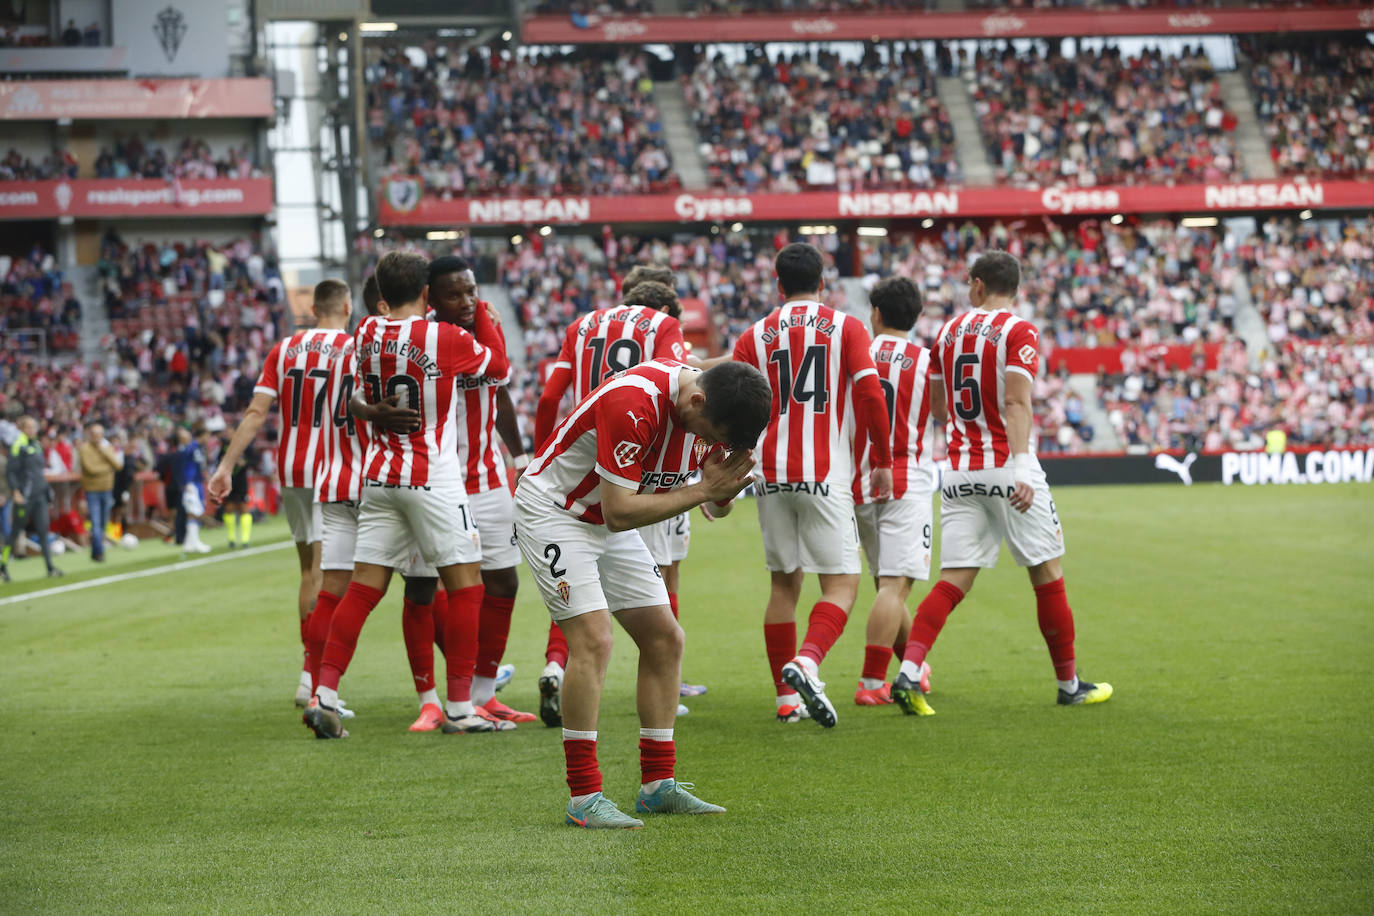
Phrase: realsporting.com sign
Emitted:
{"points": [[116, 197]]}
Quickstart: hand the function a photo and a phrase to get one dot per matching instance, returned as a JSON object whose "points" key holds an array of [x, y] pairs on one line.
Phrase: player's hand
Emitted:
{"points": [[724, 477], [18, 498], [218, 486], [493, 313], [713, 510], [1022, 495], [882, 484], [392, 417]]}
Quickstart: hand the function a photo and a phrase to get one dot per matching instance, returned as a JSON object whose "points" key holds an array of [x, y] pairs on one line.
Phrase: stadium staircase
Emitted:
{"points": [[1105, 438], [1248, 324], [95, 322], [682, 139], [968, 140], [1251, 147]]}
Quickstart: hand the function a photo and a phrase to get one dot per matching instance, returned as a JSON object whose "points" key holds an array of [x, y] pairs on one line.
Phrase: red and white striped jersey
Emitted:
{"points": [[296, 373], [904, 371], [812, 356], [340, 477], [483, 467], [608, 341], [973, 354], [628, 433], [420, 360]]}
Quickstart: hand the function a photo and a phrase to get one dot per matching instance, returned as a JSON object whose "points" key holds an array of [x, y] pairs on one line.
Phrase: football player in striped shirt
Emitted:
{"points": [[643, 327], [993, 489], [620, 461], [896, 535], [484, 411], [826, 398], [295, 376], [413, 495]]}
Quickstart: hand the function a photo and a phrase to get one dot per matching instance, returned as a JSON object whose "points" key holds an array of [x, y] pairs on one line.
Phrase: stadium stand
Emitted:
{"points": [[36, 300], [538, 124]]}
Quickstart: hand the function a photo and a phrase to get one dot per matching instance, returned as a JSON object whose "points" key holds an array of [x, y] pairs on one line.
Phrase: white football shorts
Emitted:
{"points": [[339, 534], [494, 512], [808, 526], [975, 517], [668, 540], [395, 522], [302, 514], [580, 568], [897, 535]]}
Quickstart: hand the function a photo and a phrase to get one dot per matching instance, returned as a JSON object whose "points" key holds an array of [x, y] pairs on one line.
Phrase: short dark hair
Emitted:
{"points": [[401, 277], [641, 273], [372, 296], [446, 264], [739, 401], [799, 267], [899, 302], [999, 271], [330, 296], [656, 296]]}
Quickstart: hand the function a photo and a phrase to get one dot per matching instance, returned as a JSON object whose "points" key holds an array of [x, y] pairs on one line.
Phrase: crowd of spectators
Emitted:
{"points": [[1099, 117], [528, 124], [1314, 100], [35, 299], [813, 120], [18, 167], [191, 158]]}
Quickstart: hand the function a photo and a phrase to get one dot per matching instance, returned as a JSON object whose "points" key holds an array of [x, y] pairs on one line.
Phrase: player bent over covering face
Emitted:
{"points": [[618, 462]]}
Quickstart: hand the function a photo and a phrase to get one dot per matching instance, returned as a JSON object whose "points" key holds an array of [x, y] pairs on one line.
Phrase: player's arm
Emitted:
{"points": [[483, 352], [939, 407], [722, 479], [546, 413], [386, 414], [508, 428], [247, 431], [870, 407], [1023, 362]]}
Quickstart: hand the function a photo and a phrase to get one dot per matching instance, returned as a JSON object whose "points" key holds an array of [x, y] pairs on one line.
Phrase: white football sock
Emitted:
{"points": [[483, 689], [305, 680], [789, 699], [429, 697], [912, 671], [328, 696], [456, 709], [553, 670], [1069, 686], [578, 800], [870, 683]]}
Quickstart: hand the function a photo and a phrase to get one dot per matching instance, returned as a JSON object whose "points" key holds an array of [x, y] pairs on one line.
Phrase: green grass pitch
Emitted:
{"points": [[152, 760]]}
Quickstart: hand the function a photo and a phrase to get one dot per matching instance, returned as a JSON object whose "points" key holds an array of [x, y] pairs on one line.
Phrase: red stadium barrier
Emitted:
{"points": [[48, 100], [104, 197], [401, 203], [1091, 360], [558, 30]]}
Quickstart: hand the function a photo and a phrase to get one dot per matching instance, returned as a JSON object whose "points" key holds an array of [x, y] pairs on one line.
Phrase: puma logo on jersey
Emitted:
{"points": [[634, 419], [1182, 468]]}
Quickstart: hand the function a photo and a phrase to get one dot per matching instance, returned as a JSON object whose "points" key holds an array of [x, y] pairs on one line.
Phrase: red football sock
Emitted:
{"points": [[460, 640], [344, 628], [780, 639], [417, 627], [825, 626], [672, 603], [557, 648], [493, 629], [317, 632], [584, 776], [1056, 625], [440, 606], [930, 619], [656, 759], [876, 659]]}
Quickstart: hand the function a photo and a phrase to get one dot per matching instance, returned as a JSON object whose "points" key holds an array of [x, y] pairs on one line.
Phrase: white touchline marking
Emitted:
{"points": [[143, 573]]}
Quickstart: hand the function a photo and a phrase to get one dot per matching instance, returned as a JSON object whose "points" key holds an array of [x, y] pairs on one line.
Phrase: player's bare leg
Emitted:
{"points": [[493, 630], [660, 641], [308, 558], [421, 628], [462, 612], [888, 625], [780, 638], [823, 628], [1056, 626], [672, 575]]}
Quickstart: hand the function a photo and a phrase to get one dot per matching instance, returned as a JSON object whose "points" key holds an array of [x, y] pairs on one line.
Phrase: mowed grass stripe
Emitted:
{"points": [[154, 760]]}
